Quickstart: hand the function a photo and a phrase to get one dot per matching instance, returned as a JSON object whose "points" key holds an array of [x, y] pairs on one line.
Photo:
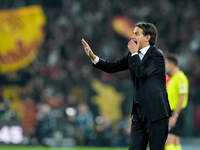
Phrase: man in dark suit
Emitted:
{"points": [[151, 110]]}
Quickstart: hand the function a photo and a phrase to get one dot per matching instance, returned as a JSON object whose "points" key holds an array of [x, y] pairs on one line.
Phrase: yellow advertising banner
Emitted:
{"points": [[108, 100], [21, 35]]}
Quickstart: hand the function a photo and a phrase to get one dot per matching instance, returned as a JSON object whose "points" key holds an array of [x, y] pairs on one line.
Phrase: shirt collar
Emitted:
{"points": [[144, 50]]}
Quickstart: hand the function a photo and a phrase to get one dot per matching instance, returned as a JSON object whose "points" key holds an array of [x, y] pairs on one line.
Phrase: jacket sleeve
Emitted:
{"points": [[120, 65]]}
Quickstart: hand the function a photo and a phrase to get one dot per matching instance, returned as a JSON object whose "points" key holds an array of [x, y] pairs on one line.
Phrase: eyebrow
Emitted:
{"points": [[136, 32]]}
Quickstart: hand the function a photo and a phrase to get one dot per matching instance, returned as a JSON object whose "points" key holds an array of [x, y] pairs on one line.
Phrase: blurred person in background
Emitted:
{"points": [[124, 127], [104, 133], [146, 63], [45, 123], [84, 125], [177, 89]]}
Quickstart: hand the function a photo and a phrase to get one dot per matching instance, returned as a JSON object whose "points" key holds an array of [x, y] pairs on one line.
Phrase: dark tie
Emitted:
{"points": [[140, 54]]}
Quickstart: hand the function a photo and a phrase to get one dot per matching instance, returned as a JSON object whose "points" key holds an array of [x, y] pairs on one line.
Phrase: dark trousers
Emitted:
{"points": [[143, 132]]}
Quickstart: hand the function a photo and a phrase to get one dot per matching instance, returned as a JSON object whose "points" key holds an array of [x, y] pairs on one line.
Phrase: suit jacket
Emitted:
{"points": [[149, 81]]}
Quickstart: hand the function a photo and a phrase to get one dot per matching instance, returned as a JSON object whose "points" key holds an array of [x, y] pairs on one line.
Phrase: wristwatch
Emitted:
{"points": [[175, 114]]}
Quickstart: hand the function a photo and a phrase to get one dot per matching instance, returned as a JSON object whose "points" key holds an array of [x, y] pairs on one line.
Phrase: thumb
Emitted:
{"points": [[90, 53]]}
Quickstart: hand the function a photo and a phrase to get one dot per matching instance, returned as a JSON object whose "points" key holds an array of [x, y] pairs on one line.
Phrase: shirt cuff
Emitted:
{"points": [[133, 54], [96, 60]]}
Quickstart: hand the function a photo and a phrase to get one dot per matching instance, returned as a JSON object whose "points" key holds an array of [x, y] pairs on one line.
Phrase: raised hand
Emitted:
{"points": [[88, 50]]}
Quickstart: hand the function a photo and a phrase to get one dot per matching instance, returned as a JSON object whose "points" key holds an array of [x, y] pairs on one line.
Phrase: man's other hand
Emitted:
{"points": [[133, 46]]}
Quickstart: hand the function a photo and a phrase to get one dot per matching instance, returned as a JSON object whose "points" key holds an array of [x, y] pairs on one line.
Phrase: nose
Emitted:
{"points": [[133, 36]]}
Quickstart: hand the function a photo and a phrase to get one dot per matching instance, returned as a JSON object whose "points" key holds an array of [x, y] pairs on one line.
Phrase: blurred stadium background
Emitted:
{"points": [[49, 93]]}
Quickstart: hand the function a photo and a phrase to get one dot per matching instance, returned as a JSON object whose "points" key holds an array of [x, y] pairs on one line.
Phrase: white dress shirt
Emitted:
{"points": [[143, 52]]}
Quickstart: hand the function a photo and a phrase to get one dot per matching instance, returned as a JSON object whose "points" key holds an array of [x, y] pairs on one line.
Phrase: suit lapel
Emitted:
{"points": [[149, 51]]}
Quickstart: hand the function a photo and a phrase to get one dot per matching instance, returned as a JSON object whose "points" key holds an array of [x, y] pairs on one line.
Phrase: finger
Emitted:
{"points": [[87, 49], [83, 40], [133, 41], [130, 42], [90, 53], [138, 42], [84, 43]]}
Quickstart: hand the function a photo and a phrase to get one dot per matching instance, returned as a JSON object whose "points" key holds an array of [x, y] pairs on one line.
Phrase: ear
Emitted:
{"points": [[147, 38]]}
